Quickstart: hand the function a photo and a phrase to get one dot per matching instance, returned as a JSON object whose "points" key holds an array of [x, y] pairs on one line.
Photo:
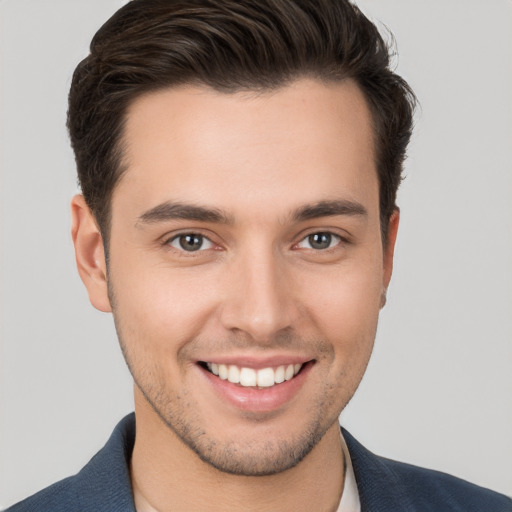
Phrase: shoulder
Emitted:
{"points": [[385, 484], [441, 491], [103, 485], [59, 497]]}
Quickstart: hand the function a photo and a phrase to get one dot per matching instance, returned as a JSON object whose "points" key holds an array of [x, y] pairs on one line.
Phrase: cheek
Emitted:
{"points": [[346, 308], [354, 289], [157, 310]]}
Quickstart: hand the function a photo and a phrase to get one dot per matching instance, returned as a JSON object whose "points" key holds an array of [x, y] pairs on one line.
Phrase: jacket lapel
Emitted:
{"points": [[380, 488], [103, 485]]}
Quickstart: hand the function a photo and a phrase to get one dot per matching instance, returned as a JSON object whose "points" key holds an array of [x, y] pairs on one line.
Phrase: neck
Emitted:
{"points": [[167, 475]]}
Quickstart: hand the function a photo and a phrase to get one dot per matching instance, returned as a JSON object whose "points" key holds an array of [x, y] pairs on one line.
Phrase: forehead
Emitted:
{"points": [[298, 144]]}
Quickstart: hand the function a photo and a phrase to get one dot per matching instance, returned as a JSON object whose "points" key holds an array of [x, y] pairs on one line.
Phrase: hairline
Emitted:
{"points": [[104, 220]]}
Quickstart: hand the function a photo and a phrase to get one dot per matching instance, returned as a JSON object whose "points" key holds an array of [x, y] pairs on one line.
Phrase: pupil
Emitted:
{"points": [[191, 242], [320, 240]]}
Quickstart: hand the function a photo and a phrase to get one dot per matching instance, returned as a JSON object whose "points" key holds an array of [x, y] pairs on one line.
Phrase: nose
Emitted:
{"points": [[260, 302]]}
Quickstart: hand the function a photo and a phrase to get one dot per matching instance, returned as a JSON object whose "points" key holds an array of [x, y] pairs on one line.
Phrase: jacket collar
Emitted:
{"points": [[104, 484], [380, 488]]}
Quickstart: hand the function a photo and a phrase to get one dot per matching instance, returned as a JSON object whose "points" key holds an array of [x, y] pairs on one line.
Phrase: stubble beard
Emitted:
{"points": [[236, 457], [243, 458]]}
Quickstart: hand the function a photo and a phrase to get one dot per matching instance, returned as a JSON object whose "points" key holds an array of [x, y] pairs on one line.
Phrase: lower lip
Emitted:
{"points": [[258, 399]]}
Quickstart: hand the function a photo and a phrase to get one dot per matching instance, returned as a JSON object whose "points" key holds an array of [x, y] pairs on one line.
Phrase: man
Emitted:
{"points": [[239, 163]]}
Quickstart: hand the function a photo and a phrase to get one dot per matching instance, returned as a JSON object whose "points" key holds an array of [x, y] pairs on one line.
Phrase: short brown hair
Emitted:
{"points": [[229, 45]]}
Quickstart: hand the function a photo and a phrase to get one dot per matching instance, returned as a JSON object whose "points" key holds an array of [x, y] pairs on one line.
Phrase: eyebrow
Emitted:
{"points": [[172, 210], [329, 209]]}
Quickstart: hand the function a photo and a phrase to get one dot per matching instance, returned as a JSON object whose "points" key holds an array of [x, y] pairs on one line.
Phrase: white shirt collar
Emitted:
{"points": [[350, 497]]}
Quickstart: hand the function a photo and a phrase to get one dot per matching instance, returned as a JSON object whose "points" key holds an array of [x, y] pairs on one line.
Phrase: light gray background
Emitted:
{"points": [[438, 389]]}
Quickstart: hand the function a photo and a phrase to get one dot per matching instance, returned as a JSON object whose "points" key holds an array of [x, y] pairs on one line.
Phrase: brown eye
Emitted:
{"points": [[191, 242]]}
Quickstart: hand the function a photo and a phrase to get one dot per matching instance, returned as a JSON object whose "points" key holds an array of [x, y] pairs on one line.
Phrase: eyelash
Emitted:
{"points": [[331, 237], [176, 238], [211, 245]]}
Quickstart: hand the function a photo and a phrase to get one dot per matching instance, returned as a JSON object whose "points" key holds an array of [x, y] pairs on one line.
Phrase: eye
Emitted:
{"points": [[190, 242], [319, 241]]}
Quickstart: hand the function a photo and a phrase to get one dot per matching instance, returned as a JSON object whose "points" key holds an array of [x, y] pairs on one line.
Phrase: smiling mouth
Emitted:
{"points": [[250, 377]]}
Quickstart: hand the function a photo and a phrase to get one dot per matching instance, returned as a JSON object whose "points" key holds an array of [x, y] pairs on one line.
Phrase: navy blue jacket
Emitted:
{"points": [[103, 485]]}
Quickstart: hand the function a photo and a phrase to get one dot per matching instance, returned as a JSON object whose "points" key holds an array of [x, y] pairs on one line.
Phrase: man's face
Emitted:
{"points": [[245, 241]]}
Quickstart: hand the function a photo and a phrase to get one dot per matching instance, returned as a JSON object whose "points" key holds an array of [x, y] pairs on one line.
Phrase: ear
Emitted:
{"points": [[89, 253], [389, 251]]}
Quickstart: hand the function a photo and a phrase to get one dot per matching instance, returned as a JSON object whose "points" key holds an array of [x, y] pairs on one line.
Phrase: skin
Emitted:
{"points": [[256, 289]]}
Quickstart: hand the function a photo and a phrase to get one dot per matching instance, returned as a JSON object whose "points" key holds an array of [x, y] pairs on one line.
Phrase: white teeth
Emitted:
{"points": [[265, 377], [279, 375], [234, 374], [249, 377], [223, 371]]}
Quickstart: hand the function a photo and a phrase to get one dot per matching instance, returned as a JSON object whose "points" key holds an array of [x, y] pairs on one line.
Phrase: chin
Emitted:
{"points": [[253, 458], [253, 448]]}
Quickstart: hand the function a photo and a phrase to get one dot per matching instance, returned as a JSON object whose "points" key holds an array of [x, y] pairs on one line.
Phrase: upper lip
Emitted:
{"points": [[257, 362]]}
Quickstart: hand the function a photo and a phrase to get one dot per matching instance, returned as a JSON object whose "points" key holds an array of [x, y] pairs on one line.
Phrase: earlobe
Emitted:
{"points": [[389, 251], [89, 253]]}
